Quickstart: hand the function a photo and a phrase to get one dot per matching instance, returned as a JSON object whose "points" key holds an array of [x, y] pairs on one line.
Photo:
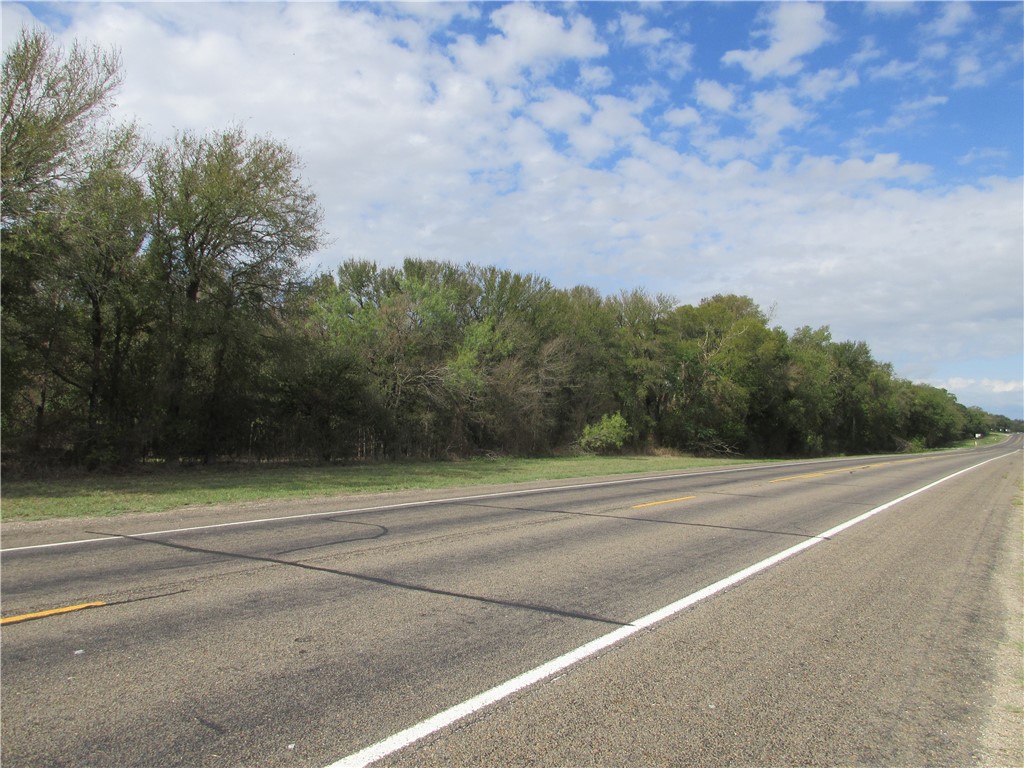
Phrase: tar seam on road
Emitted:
{"points": [[392, 744]]}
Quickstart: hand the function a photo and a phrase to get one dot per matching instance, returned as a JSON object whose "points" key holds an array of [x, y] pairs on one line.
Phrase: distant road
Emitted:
{"points": [[307, 640]]}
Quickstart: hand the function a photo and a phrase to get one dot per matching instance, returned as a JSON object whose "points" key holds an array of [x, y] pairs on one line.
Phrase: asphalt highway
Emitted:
{"points": [[308, 639]]}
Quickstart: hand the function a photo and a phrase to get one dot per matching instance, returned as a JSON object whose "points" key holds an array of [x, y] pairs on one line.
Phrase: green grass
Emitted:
{"points": [[992, 438], [159, 489]]}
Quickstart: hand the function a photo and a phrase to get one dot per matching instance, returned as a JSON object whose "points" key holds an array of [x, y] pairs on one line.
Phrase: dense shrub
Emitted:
{"points": [[607, 436]]}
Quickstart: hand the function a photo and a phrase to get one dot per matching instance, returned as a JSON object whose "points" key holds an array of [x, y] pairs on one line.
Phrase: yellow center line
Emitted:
{"points": [[666, 501], [52, 612], [832, 471], [796, 477]]}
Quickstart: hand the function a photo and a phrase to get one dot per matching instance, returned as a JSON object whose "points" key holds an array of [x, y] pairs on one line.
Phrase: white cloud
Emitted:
{"points": [[795, 29], [937, 50], [16, 18], [682, 117], [895, 69], [659, 45], [952, 48], [675, 59], [885, 166], [1000, 396], [529, 40], [431, 15], [559, 110], [635, 30], [772, 112], [952, 17], [826, 82], [993, 386], [923, 104], [757, 124], [969, 71], [868, 51], [907, 113], [983, 155], [714, 95], [595, 78], [612, 124]]}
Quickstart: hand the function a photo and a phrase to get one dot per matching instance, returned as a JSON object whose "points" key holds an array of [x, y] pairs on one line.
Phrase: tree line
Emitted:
{"points": [[155, 307]]}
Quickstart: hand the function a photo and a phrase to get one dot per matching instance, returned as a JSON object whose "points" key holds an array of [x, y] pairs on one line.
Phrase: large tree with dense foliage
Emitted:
{"points": [[232, 221], [73, 221], [724, 374]]}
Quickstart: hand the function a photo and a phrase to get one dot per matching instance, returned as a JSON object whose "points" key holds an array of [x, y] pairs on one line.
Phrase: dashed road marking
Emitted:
{"points": [[664, 501]]}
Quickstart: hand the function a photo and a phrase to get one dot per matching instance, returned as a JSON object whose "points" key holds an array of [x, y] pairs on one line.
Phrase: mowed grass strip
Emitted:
{"points": [[160, 489]]}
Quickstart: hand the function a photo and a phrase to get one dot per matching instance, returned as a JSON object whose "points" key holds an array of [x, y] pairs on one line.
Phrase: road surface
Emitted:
{"points": [[314, 639]]}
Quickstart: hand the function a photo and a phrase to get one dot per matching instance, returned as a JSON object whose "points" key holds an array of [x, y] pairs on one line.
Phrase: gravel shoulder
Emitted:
{"points": [[1003, 739]]}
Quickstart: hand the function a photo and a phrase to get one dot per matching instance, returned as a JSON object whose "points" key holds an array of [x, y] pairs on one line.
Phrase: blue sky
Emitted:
{"points": [[856, 165]]}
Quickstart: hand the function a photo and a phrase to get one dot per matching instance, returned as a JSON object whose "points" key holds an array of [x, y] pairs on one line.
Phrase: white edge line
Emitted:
{"points": [[408, 505], [404, 738]]}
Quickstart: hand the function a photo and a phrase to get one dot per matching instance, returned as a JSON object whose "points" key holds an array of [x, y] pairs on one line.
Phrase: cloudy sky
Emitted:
{"points": [[851, 165]]}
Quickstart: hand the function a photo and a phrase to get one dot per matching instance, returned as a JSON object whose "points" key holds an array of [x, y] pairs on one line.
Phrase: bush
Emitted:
{"points": [[607, 436]]}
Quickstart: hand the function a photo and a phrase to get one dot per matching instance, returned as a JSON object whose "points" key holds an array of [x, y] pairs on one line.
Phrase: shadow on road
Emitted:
{"points": [[366, 578]]}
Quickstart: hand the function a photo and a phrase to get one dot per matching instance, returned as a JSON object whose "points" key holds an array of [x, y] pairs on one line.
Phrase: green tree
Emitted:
{"points": [[811, 398], [52, 100], [232, 222], [935, 417], [850, 375], [313, 398], [718, 349], [511, 367], [586, 326], [977, 421], [73, 220], [645, 381], [100, 263]]}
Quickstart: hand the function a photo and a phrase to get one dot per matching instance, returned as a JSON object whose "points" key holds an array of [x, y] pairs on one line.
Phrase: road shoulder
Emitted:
{"points": [[1003, 739]]}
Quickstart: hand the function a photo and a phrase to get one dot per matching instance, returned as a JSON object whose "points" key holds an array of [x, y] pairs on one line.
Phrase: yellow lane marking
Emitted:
{"points": [[666, 501], [797, 477], [53, 612], [826, 472], [849, 469]]}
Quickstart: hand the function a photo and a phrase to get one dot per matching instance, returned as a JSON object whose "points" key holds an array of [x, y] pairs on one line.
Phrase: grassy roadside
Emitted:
{"points": [[85, 495], [989, 439], [160, 489]]}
